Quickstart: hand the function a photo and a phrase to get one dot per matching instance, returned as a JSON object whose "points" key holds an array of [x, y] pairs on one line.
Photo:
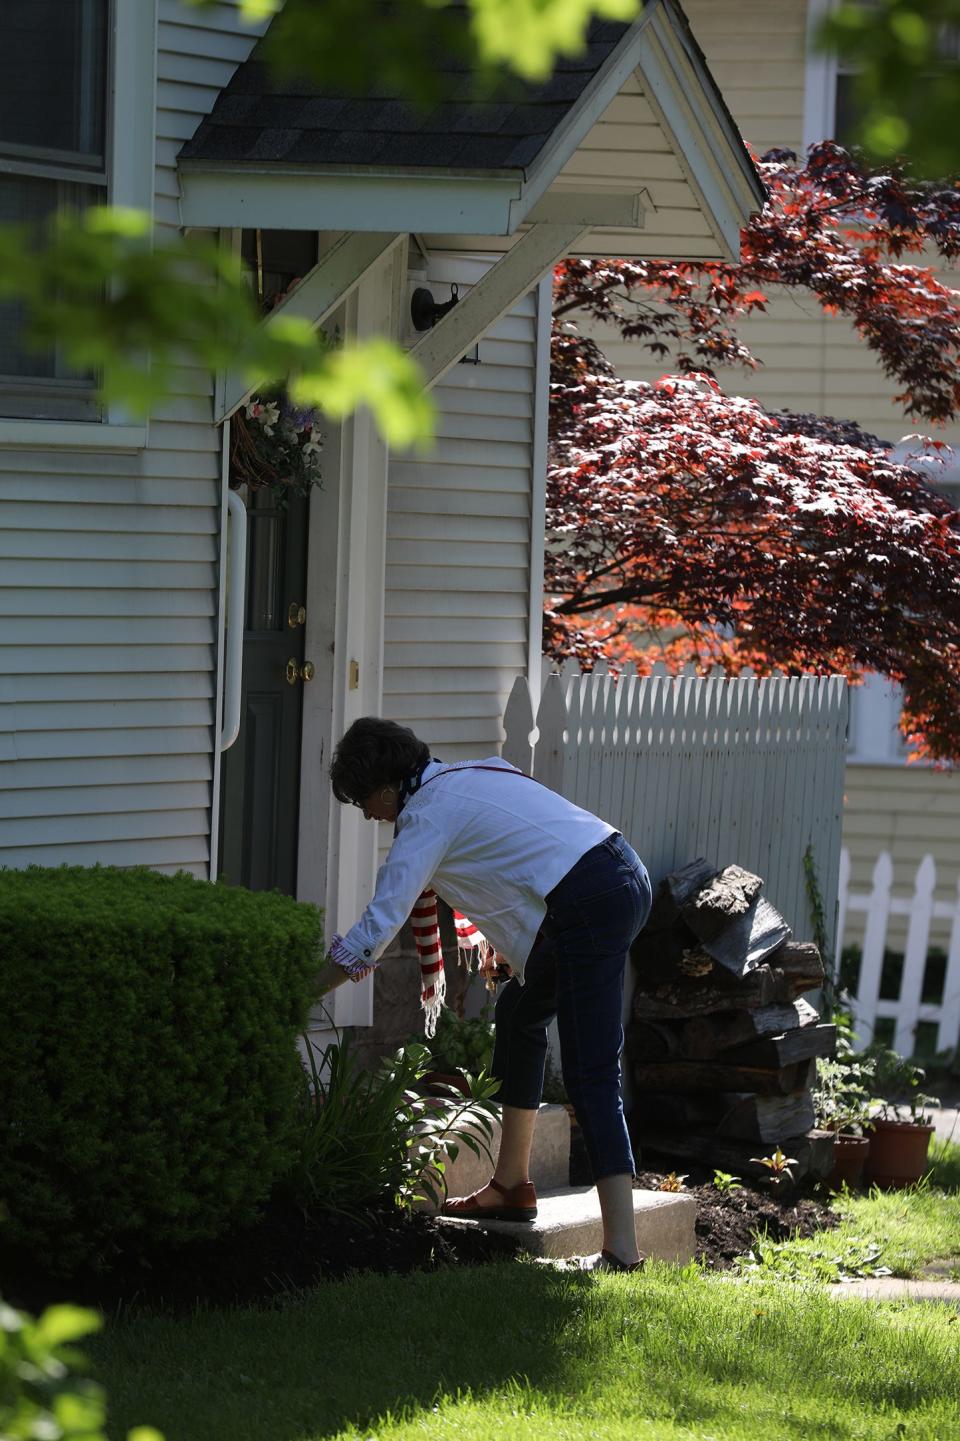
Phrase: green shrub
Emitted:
{"points": [[148, 1058], [42, 1396]]}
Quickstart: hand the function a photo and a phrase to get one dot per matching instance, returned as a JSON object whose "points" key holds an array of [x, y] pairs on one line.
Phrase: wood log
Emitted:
{"points": [[794, 968], [767, 1118], [747, 940], [738, 1114], [709, 910], [668, 955], [715, 1076], [652, 1041], [813, 1150], [785, 1049], [676, 890], [706, 1036]]}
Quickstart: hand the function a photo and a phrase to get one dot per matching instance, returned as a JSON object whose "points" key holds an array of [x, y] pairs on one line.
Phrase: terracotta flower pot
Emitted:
{"points": [[898, 1154], [849, 1156]]}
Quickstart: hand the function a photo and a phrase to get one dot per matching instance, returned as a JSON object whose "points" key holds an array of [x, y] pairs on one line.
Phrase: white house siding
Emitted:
{"points": [[108, 569], [458, 609], [628, 148]]}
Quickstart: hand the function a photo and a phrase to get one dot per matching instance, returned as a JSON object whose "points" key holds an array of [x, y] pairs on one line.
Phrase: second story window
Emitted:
{"points": [[53, 155]]}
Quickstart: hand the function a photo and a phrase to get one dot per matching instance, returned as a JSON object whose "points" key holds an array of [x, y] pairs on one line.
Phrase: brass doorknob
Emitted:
{"points": [[296, 615], [296, 672]]}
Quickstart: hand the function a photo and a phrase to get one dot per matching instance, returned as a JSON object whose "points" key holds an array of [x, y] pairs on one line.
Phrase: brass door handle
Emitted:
{"points": [[296, 672], [296, 615]]}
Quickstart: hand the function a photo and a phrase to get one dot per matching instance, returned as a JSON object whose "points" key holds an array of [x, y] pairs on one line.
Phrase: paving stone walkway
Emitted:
{"points": [[893, 1288], [946, 1120]]}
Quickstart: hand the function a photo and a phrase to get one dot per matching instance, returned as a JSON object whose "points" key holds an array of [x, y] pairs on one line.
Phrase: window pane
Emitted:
{"points": [[38, 383], [53, 79], [847, 112]]}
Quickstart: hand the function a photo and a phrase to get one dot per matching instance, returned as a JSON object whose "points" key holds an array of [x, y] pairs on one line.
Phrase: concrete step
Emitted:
{"points": [[549, 1158], [568, 1224]]}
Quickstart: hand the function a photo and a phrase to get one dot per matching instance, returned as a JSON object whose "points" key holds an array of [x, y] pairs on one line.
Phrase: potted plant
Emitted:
{"points": [[901, 1123], [842, 1104]]}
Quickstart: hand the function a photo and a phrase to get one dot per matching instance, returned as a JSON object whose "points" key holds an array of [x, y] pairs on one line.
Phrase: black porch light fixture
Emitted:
{"points": [[425, 311]]}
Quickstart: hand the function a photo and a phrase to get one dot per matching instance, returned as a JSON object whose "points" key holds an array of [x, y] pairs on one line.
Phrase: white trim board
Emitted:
{"points": [[820, 80], [494, 294]]}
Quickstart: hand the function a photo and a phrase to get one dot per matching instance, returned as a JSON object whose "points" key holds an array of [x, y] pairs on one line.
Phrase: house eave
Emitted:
{"points": [[308, 198]]}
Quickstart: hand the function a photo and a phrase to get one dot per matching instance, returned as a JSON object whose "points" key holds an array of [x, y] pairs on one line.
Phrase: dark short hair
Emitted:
{"points": [[373, 753]]}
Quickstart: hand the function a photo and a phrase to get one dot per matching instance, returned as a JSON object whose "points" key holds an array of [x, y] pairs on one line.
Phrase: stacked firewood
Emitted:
{"points": [[722, 1047]]}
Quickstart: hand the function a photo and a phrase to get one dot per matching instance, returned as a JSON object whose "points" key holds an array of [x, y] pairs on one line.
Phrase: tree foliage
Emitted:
{"points": [[907, 77], [131, 312], [832, 229], [685, 524], [350, 42]]}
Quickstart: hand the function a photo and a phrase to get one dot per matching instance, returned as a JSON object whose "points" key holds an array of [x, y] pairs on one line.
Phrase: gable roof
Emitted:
{"points": [[259, 119], [293, 156]]}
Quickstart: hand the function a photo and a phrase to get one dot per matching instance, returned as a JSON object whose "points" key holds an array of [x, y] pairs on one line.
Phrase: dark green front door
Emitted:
{"points": [[260, 776]]}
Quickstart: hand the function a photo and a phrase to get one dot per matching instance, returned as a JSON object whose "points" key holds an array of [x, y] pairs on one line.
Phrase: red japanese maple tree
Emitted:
{"points": [[685, 524]]}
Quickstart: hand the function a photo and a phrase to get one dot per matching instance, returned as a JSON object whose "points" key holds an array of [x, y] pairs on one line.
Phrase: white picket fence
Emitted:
{"points": [[745, 770], [922, 910]]}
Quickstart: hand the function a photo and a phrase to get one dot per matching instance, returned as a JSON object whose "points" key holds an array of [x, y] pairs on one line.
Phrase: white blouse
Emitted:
{"points": [[492, 846]]}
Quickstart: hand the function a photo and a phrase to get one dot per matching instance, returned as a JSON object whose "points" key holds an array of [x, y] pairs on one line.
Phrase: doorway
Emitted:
{"points": [[260, 775]]}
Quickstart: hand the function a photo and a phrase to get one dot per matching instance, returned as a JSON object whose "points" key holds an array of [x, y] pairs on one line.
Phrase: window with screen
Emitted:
{"points": [[54, 155]]}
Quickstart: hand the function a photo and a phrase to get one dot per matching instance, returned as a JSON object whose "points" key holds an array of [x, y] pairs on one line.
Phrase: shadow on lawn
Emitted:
{"points": [[369, 1351]]}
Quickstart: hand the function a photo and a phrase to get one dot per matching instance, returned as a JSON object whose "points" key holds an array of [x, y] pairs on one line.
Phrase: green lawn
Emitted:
{"points": [[521, 1350]]}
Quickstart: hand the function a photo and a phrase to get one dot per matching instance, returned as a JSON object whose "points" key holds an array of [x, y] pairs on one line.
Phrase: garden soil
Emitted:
{"points": [[726, 1221]]}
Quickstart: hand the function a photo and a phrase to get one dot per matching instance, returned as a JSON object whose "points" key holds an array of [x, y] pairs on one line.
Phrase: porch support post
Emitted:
{"points": [[330, 282], [498, 291]]}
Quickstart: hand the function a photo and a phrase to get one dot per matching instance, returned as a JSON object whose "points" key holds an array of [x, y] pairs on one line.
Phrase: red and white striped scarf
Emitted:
{"points": [[471, 944]]}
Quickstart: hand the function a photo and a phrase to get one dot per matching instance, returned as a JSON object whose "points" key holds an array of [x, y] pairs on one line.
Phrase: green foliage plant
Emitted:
{"points": [[347, 42], [43, 1394], [462, 1043], [842, 1098], [895, 1084], [368, 1138], [148, 1054], [725, 1183], [777, 1166], [100, 286]]}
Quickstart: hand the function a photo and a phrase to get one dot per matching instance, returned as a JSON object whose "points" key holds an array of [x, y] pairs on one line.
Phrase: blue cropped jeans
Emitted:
{"points": [[575, 972]]}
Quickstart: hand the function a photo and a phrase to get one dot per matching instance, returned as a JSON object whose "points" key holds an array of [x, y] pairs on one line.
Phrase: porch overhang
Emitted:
{"points": [[658, 48]]}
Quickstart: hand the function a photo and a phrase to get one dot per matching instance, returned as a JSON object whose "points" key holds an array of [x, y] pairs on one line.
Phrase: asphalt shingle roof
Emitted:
{"points": [[256, 119]]}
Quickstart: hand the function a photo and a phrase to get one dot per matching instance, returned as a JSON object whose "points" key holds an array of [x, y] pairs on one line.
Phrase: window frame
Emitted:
{"points": [[129, 176], [820, 80]]}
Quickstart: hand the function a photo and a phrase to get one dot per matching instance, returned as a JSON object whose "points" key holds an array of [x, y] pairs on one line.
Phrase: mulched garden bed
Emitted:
{"points": [[727, 1222], [284, 1253]]}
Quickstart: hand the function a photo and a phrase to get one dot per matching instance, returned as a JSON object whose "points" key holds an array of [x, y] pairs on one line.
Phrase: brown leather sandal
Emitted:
{"points": [[519, 1204]]}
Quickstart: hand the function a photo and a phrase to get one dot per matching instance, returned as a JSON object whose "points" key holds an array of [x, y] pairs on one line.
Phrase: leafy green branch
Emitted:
{"points": [[131, 312]]}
